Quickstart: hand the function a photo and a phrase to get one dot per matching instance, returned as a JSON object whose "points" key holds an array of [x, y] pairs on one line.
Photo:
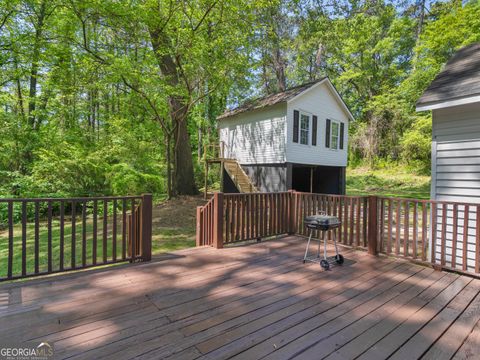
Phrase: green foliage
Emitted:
{"points": [[416, 144], [91, 91]]}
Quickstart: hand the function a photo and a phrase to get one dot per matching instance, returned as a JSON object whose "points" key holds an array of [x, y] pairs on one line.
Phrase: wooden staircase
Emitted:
{"points": [[241, 180]]}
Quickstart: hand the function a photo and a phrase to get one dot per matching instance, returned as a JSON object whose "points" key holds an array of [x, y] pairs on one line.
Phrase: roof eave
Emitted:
{"points": [[465, 100], [335, 92]]}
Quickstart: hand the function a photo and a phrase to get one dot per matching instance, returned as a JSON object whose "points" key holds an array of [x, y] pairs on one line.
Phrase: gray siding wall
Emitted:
{"points": [[268, 177], [456, 173], [456, 154]]}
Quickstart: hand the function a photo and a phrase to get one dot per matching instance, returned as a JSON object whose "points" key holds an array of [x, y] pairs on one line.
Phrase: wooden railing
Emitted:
{"points": [[48, 235], [443, 234], [214, 151]]}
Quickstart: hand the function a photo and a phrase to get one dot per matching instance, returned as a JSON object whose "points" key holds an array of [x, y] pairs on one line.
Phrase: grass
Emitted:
{"points": [[391, 182], [165, 240], [43, 246]]}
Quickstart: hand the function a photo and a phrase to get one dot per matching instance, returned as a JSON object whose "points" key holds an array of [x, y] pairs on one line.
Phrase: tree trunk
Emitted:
{"points": [[34, 68], [184, 181]]}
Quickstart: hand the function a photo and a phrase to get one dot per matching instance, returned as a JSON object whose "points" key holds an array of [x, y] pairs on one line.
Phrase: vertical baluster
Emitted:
{"points": [[248, 205], [24, 238], [444, 233], [10, 240], [382, 224], [124, 229], [415, 225], [227, 219], [424, 231], [95, 231], [357, 240], [397, 230], [37, 238], [346, 202], [466, 221], [114, 231], [352, 221], [340, 210], [364, 222], [73, 242], [49, 236], [84, 233], [133, 232], [105, 229], [390, 226], [62, 235], [454, 235], [406, 228], [434, 215]]}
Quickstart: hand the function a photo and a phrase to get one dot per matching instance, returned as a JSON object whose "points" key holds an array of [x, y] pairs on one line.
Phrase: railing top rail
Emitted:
{"points": [[93, 198], [428, 201]]}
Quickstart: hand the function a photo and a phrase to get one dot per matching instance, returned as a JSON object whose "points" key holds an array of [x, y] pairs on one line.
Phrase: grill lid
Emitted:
{"points": [[322, 221]]}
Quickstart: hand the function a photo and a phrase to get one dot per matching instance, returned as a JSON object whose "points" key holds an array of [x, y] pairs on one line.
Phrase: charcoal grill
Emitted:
{"points": [[323, 223]]}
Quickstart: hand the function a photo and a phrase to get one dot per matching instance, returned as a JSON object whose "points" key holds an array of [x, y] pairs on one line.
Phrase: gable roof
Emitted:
{"points": [[270, 100], [457, 83]]}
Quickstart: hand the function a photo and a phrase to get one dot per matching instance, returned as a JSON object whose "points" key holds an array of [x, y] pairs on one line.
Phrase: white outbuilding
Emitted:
{"points": [[296, 139]]}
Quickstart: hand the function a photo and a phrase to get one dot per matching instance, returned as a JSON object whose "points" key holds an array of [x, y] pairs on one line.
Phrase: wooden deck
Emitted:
{"points": [[249, 302]]}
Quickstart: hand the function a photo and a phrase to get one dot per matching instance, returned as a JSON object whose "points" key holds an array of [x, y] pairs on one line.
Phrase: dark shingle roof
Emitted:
{"points": [[459, 78], [268, 100]]}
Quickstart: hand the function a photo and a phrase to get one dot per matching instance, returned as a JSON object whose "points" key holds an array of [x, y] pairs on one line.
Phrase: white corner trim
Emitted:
{"points": [[449, 103]]}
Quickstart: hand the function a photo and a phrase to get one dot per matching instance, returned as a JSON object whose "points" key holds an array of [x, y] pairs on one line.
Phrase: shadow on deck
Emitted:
{"points": [[249, 302]]}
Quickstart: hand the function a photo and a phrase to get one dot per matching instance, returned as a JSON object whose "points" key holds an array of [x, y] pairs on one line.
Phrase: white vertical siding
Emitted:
{"points": [[255, 137], [319, 101], [456, 175]]}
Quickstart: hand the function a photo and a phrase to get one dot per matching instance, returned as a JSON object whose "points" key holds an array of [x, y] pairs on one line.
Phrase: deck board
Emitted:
{"points": [[248, 302]]}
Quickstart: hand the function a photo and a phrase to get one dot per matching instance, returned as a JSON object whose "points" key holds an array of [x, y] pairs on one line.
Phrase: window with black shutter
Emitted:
{"points": [[314, 130], [296, 117], [327, 134], [342, 134]]}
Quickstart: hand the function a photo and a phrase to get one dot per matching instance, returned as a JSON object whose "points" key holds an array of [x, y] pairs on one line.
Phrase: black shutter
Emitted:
{"points": [[342, 131], [296, 116], [314, 130], [327, 134]]}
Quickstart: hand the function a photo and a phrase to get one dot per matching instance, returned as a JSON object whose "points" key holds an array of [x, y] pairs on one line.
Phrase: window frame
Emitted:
{"points": [[301, 130], [332, 135]]}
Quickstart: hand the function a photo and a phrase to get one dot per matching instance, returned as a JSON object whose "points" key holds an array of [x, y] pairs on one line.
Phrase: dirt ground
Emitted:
{"points": [[174, 223]]}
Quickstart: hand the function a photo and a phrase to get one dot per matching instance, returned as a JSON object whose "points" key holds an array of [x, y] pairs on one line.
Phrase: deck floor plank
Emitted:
{"points": [[248, 302]]}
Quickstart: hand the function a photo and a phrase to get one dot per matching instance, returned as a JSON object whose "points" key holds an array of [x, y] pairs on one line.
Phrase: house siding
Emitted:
{"points": [[456, 160], [456, 174], [256, 137], [319, 101]]}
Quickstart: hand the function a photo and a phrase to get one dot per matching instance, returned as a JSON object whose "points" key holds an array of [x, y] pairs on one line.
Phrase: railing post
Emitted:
{"points": [[291, 212], [372, 224], [146, 241], [199, 235], [218, 221]]}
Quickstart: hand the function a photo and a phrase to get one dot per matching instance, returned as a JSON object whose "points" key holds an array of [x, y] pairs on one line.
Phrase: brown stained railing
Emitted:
{"points": [[442, 234], [230, 218], [48, 235]]}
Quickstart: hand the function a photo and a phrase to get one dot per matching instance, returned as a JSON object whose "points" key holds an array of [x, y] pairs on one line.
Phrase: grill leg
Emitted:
{"points": [[324, 245], [308, 245], [318, 250], [335, 242]]}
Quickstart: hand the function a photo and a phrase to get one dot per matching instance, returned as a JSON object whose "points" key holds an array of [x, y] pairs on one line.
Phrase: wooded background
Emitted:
{"points": [[118, 97]]}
